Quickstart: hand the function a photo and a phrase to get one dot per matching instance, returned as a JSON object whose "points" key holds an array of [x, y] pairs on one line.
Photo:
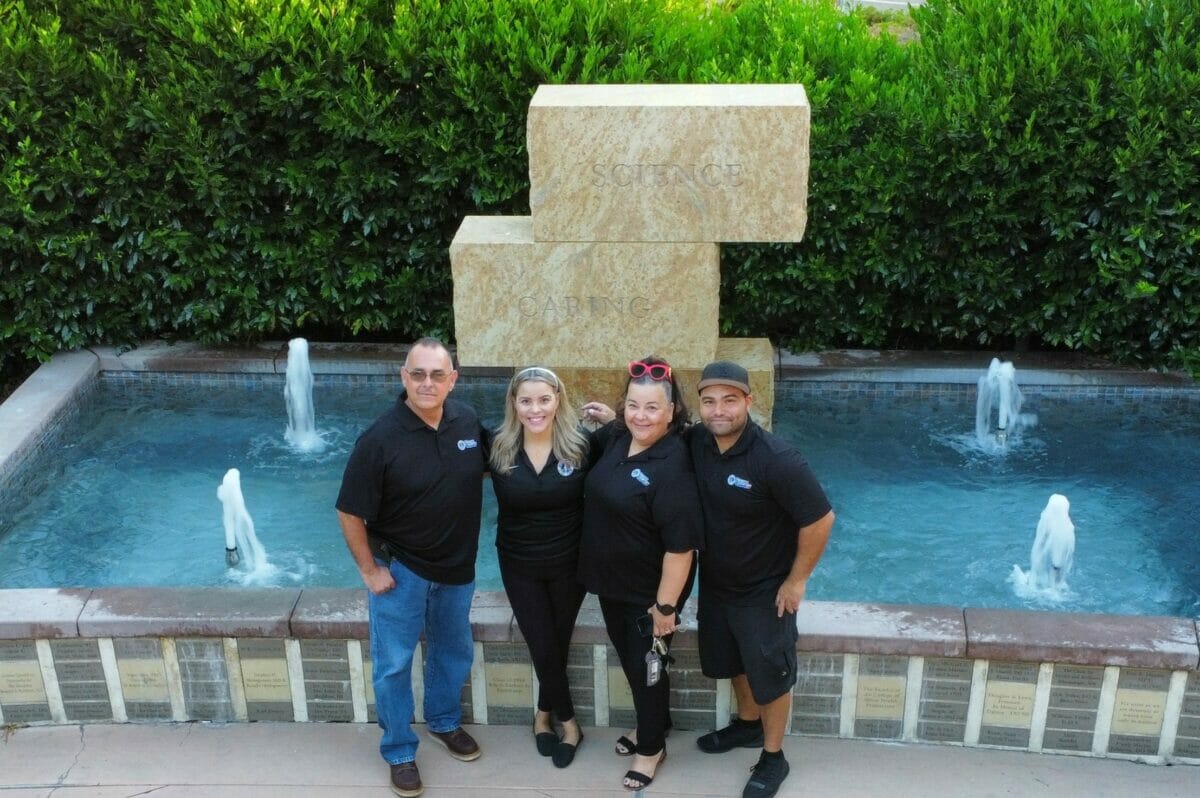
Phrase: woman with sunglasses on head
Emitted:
{"points": [[641, 528], [539, 458]]}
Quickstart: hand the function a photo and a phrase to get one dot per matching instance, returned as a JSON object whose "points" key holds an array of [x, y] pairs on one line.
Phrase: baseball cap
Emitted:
{"points": [[724, 372]]}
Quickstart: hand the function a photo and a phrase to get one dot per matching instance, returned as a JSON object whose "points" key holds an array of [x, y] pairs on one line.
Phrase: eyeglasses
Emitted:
{"points": [[657, 371], [420, 375]]}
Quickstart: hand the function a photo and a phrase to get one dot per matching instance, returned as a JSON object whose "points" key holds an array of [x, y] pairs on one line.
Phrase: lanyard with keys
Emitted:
{"points": [[654, 661]]}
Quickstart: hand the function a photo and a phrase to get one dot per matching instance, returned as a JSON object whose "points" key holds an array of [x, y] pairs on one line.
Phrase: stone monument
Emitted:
{"points": [[632, 189]]}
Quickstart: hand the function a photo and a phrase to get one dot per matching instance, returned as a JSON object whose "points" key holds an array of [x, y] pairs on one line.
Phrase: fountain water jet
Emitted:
{"points": [[240, 540], [998, 391], [1053, 550], [298, 394]]}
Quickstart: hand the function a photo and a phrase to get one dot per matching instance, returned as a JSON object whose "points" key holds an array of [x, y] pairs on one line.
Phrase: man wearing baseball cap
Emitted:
{"points": [[767, 521]]}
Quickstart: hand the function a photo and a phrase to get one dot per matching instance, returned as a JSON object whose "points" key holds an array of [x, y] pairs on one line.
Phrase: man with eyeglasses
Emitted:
{"points": [[766, 523], [409, 509]]}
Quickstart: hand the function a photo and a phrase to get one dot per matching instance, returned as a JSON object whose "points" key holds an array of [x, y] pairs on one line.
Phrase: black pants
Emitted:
{"points": [[546, 610], [652, 704]]}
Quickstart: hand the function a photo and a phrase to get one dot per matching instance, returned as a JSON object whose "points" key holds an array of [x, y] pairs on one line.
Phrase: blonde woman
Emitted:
{"points": [[539, 458]]}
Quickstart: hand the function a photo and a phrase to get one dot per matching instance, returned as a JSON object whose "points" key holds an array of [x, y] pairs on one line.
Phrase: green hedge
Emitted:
{"points": [[1024, 173]]}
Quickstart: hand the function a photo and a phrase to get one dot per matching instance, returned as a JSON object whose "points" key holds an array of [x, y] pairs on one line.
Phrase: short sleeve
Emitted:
{"points": [[675, 508], [795, 487], [362, 481]]}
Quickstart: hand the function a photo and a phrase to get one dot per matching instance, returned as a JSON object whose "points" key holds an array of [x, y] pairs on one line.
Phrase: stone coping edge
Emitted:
{"points": [[825, 626], [842, 365]]}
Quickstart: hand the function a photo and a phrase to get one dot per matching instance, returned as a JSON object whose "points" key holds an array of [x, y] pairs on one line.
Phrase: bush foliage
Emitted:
{"points": [[1024, 173]]}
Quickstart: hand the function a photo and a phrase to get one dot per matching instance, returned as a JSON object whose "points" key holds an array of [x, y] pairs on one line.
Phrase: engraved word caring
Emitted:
{"points": [[712, 175], [577, 306]]}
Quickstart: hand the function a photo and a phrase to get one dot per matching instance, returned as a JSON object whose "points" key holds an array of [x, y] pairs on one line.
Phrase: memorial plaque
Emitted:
{"points": [[1013, 672], [509, 684], [816, 724], [205, 679], [330, 711], [1138, 679], [1134, 744], [941, 732], [148, 710], [67, 671], [143, 680], [1189, 726], [323, 649], [1077, 676], [668, 162], [1191, 704], [871, 665], [1009, 737], [619, 695], [878, 728], [818, 704], [1058, 740], [266, 679], [945, 691], [958, 670], [21, 683], [17, 650], [1074, 699], [820, 665], [279, 711], [75, 650], [1189, 747], [88, 710], [1138, 712], [881, 697], [946, 711], [135, 648], [1008, 704], [1070, 719], [83, 691], [328, 691]]}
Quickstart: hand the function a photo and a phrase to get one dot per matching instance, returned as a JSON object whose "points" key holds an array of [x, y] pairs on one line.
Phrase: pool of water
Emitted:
{"points": [[924, 516]]}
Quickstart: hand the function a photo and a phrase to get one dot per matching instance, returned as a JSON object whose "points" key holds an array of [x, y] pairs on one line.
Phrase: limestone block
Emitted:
{"points": [[519, 302], [668, 162]]}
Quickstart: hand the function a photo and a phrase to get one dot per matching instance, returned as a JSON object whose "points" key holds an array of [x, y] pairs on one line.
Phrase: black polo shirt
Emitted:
{"points": [[756, 497], [637, 509], [540, 517], [420, 490]]}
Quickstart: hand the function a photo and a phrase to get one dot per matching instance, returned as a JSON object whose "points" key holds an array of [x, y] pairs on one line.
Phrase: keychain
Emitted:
{"points": [[654, 661]]}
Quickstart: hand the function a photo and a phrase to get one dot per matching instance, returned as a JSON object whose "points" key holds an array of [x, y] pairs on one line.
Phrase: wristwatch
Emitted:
{"points": [[665, 609]]}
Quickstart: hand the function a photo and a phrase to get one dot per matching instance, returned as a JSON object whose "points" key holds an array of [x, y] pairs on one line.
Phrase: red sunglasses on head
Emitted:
{"points": [[657, 371]]}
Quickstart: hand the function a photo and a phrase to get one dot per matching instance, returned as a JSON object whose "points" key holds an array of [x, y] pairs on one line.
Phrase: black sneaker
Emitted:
{"points": [[739, 734], [766, 776]]}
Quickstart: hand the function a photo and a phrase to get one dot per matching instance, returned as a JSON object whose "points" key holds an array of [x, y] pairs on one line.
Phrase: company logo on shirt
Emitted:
{"points": [[735, 481], [640, 476], [565, 469], [470, 443]]}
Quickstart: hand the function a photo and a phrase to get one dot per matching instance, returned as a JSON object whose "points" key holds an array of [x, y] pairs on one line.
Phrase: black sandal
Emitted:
{"points": [[625, 746], [641, 779]]}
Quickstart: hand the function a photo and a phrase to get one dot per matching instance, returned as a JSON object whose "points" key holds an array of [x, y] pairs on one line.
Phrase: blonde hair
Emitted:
{"points": [[567, 441]]}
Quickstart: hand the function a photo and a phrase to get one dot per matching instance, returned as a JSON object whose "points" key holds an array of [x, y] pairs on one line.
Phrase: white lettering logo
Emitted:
{"points": [[640, 476], [467, 444], [735, 481], [565, 469]]}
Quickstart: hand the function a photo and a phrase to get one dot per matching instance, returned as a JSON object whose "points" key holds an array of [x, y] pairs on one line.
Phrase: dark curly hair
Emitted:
{"points": [[682, 416]]}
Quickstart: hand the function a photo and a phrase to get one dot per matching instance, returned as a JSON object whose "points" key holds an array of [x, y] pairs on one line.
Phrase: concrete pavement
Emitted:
{"points": [[307, 760]]}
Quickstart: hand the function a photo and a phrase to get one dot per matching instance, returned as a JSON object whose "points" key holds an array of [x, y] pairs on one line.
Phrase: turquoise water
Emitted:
{"points": [[924, 517]]}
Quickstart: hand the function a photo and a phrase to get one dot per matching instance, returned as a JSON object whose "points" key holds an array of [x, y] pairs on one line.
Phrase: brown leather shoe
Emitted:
{"points": [[406, 780], [460, 744]]}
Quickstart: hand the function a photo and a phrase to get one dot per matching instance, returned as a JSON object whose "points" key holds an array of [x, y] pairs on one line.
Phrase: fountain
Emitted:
{"points": [[1052, 553], [240, 540], [301, 430], [999, 394]]}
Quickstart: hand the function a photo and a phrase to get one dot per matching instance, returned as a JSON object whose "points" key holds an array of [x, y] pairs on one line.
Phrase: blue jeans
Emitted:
{"points": [[397, 619]]}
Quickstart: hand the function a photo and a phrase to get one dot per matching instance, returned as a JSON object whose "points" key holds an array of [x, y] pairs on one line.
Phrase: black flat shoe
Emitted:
{"points": [[564, 752], [624, 746], [547, 742]]}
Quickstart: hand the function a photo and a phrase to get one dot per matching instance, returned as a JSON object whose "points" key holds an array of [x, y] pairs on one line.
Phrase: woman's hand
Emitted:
{"points": [[598, 412], [663, 624]]}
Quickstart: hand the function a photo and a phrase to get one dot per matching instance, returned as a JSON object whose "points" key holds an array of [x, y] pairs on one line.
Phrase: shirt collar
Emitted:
{"points": [[411, 421], [658, 451], [745, 440]]}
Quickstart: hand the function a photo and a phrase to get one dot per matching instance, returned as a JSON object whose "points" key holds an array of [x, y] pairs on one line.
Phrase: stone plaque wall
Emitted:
{"points": [[1138, 711], [265, 679], [22, 691], [817, 698], [81, 679], [1187, 738], [205, 679], [508, 676], [1008, 704], [879, 702], [945, 697], [327, 680], [143, 678], [1071, 716]]}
